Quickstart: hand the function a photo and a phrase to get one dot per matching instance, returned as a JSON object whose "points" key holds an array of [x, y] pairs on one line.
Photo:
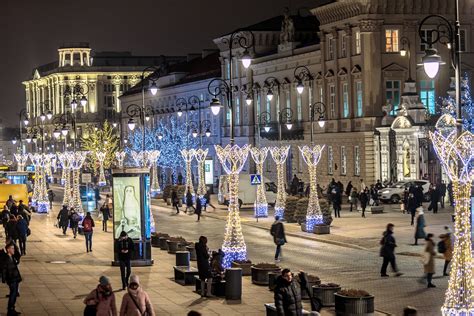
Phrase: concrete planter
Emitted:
{"points": [[192, 252], [260, 275], [321, 229], [162, 242], [272, 276], [245, 266], [354, 306], [155, 239], [311, 283], [174, 246], [325, 294]]}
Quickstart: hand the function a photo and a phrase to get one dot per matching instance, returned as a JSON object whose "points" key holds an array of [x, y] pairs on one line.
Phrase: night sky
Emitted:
{"points": [[32, 30]]}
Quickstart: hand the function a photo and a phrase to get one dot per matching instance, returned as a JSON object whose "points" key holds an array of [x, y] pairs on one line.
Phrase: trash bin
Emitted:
{"points": [[233, 284], [182, 258]]}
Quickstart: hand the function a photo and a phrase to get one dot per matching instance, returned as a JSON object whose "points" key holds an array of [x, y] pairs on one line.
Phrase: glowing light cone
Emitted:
{"points": [[279, 155], [259, 155]]}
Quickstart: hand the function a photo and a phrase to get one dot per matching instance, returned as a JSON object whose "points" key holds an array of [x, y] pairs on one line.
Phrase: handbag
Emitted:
{"points": [[139, 309], [280, 241], [91, 310]]}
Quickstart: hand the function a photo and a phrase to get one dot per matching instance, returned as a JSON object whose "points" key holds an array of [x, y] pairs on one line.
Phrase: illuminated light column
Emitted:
{"points": [[188, 156], [36, 186], [261, 205], [101, 158], [120, 156], [139, 157], [456, 153], [65, 162], [311, 156], [40, 193], [279, 155], [49, 165], [152, 157], [21, 160], [233, 159], [77, 160], [200, 155]]}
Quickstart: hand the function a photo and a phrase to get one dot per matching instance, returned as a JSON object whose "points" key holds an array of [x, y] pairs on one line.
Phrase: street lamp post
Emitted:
{"points": [[77, 96], [264, 119], [144, 114], [23, 120], [406, 51], [301, 74], [320, 109], [284, 115]]}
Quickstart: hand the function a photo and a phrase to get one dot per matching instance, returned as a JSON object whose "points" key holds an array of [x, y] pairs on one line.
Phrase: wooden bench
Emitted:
{"points": [[218, 287], [184, 275], [271, 310]]}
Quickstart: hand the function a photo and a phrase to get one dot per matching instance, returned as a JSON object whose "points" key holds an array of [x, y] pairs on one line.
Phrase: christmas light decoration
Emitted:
{"points": [[40, 193], [152, 158], [101, 158], [467, 103], [120, 156], [49, 165], [65, 162], [279, 155], [139, 157], [21, 160], [456, 153], [188, 156], [232, 159], [102, 140], [76, 160], [261, 205], [200, 155], [311, 156]]}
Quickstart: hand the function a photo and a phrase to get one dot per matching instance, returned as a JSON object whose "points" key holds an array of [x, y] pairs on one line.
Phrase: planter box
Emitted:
{"points": [[174, 246], [353, 306], [192, 252], [321, 229], [304, 294], [303, 227], [155, 241], [163, 243], [376, 209], [246, 267], [325, 294], [260, 275]]}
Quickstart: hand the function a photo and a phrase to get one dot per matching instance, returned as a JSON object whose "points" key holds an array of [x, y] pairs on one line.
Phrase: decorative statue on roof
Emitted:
{"points": [[386, 111], [287, 34]]}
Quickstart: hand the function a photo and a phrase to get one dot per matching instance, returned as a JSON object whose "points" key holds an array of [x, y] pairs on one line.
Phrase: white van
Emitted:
{"points": [[247, 191]]}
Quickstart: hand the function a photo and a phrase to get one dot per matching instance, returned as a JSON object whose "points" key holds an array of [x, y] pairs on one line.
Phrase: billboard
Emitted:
{"points": [[127, 206]]}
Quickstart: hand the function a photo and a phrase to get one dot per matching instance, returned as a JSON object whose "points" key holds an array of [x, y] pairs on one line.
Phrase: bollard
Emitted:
{"points": [[182, 258], [233, 284]]}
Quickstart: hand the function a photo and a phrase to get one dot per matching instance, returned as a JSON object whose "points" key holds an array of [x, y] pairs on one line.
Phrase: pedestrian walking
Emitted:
{"points": [[279, 238], [97, 196], [175, 200], [109, 202], [349, 188], [24, 211], [105, 211], [198, 209], [136, 301], [442, 193], [204, 268], [63, 219], [428, 260], [420, 225], [11, 276], [125, 249], [51, 196], [418, 193], [189, 200], [5, 218], [387, 251], [362, 185], [287, 294], [445, 247], [449, 188], [101, 300], [411, 207], [74, 219], [353, 200], [12, 231], [88, 228], [336, 200], [364, 200], [10, 202], [22, 228], [434, 199]]}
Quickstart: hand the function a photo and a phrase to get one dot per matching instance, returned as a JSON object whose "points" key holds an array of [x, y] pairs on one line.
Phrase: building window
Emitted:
{"points": [[321, 95], [330, 160], [345, 99], [259, 98], [426, 34], [463, 40], [356, 160], [343, 46], [391, 41], [288, 99], [359, 98], [299, 110], [237, 110], [330, 48], [343, 161], [227, 69], [392, 93], [332, 100], [227, 116], [300, 162], [269, 105], [427, 95], [357, 42]]}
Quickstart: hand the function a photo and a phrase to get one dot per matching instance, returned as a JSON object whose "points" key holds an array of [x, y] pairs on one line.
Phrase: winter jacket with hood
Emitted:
{"points": [[288, 298], [129, 308], [105, 303], [388, 244]]}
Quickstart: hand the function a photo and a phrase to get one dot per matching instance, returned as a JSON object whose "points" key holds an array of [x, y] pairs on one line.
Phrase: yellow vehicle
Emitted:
{"points": [[17, 191]]}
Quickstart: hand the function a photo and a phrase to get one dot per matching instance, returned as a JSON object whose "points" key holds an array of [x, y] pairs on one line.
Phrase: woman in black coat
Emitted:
{"points": [[63, 218], [198, 208], [364, 199], [204, 268]]}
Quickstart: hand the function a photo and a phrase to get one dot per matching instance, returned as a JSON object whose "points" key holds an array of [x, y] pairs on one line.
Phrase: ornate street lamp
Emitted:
{"points": [[301, 74], [320, 109]]}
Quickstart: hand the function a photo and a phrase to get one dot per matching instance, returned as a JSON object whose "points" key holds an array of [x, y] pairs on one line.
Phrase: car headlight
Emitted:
{"points": [[386, 192]]}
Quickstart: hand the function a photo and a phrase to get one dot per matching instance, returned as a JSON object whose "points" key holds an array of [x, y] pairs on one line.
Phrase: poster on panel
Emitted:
{"points": [[127, 206]]}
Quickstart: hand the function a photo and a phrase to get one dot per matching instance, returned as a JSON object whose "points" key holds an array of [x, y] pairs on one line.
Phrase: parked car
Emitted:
{"points": [[394, 193], [247, 191]]}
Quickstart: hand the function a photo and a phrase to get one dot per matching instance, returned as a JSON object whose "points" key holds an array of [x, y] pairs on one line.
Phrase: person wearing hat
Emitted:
{"points": [[136, 301], [101, 300], [125, 249]]}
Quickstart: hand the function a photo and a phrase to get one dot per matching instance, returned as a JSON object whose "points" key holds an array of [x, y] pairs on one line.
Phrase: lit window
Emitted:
{"points": [[321, 95], [343, 161], [345, 99], [425, 34], [427, 95], [332, 100], [392, 93], [357, 42], [237, 110], [259, 98], [299, 110], [330, 160], [356, 160], [391, 41], [227, 65], [359, 98]]}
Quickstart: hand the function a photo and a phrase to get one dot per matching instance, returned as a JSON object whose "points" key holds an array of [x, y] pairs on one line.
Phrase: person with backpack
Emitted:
{"points": [[101, 300], [105, 211], [445, 247], [63, 218], [125, 249], [88, 224], [136, 301], [22, 227], [420, 225], [279, 238], [387, 251], [74, 219]]}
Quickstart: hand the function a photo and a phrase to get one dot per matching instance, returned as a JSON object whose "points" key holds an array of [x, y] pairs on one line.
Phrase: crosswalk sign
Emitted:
{"points": [[255, 179]]}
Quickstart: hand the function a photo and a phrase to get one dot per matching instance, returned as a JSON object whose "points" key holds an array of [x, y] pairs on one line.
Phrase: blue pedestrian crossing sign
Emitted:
{"points": [[255, 179]]}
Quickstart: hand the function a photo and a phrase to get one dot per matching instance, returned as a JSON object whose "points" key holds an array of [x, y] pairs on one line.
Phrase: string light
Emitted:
{"points": [[200, 155], [120, 156], [456, 153], [21, 160], [232, 159], [152, 157], [259, 155], [40, 193], [312, 155], [100, 155], [139, 157], [76, 160], [188, 155], [64, 160], [279, 155]]}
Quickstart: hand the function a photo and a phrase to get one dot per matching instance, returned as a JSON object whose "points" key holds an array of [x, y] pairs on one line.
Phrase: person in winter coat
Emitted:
{"points": [[103, 298], [125, 249], [105, 211], [74, 219], [448, 252], [88, 227], [11, 276], [189, 200], [420, 225], [349, 188], [175, 200], [387, 251], [287, 295], [51, 196], [5, 218], [198, 210], [434, 198], [204, 268], [24, 211], [364, 200], [22, 227], [337, 200], [429, 263], [10, 202], [279, 238], [136, 301], [411, 207], [12, 231], [63, 218], [353, 198]]}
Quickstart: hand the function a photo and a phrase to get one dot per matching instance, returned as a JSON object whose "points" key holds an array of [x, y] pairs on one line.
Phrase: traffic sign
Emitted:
{"points": [[255, 179]]}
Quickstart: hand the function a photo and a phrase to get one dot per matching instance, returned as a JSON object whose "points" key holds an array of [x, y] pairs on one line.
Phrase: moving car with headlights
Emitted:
{"points": [[394, 193]]}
